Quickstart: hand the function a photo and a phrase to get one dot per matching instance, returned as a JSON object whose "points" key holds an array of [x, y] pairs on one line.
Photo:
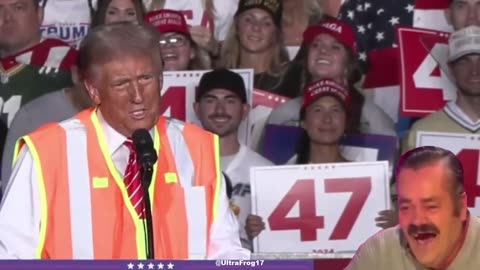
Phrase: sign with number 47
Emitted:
{"points": [[324, 208]]}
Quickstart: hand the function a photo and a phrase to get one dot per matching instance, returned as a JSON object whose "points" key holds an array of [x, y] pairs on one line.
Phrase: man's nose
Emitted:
{"points": [[136, 92], [219, 107], [419, 217]]}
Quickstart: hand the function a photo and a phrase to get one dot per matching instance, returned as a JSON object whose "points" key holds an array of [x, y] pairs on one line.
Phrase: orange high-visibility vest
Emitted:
{"points": [[86, 212]]}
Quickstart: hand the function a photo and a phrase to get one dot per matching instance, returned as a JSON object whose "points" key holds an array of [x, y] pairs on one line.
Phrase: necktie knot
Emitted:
{"points": [[129, 144]]}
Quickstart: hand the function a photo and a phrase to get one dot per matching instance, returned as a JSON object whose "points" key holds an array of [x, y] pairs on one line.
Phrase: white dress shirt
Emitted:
{"points": [[20, 211]]}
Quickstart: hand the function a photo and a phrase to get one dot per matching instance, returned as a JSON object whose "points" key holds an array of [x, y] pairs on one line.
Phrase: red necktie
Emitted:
{"points": [[133, 180]]}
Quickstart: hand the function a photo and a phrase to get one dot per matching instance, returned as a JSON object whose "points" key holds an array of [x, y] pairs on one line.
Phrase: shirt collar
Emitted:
{"points": [[113, 138], [453, 106]]}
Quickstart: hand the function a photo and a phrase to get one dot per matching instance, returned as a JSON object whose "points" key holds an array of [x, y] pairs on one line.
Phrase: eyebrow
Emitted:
{"points": [[224, 97], [423, 200]]}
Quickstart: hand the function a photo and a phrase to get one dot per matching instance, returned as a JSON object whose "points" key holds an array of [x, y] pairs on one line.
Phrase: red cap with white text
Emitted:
{"points": [[166, 20], [318, 89], [336, 28]]}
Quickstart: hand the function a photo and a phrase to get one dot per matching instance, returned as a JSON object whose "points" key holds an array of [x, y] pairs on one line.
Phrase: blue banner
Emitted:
{"points": [[156, 265], [280, 143]]}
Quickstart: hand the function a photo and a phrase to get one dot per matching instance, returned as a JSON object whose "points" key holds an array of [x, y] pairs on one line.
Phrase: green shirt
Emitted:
{"points": [[23, 83]]}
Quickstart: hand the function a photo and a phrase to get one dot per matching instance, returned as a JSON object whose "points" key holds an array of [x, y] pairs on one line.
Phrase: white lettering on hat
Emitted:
{"points": [[333, 26], [327, 86]]}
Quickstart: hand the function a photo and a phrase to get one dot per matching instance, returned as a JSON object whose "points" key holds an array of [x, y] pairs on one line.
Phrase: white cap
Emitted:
{"points": [[463, 42]]}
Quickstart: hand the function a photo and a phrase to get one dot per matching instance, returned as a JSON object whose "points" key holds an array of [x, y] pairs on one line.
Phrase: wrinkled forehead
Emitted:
{"points": [[429, 181]]}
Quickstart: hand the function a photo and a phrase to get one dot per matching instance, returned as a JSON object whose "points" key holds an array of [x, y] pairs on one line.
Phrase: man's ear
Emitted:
{"points": [[246, 111], [93, 92]]}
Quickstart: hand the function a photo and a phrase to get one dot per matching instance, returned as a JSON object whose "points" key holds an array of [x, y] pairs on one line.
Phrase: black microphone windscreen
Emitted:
{"points": [[144, 145]]}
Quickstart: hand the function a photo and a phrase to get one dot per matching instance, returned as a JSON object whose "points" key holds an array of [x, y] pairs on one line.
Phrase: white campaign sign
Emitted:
{"points": [[178, 96], [431, 19], [423, 79], [467, 149], [324, 208]]}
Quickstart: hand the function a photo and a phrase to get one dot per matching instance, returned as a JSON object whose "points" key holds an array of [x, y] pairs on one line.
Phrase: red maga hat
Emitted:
{"points": [[318, 89]]}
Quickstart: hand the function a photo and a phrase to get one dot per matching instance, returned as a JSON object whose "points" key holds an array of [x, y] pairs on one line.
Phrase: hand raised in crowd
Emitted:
{"points": [[203, 37], [254, 226], [387, 219]]}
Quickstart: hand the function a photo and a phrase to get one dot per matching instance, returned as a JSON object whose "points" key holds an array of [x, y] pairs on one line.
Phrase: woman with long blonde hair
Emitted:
{"points": [[297, 15], [255, 40]]}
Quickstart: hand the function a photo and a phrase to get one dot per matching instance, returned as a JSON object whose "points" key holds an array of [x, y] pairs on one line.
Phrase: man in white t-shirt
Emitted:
{"points": [[221, 105]]}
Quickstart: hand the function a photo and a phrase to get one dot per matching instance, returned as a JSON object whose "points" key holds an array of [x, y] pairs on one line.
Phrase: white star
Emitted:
{"points": [[140, 266], [410, 8], [394, 20], [160, 266], [150, 266], [359, 7], [351, 14], [170, 265], [380, 11], [367, 6], [362, 56], [369, 26], [361, 29], [130, 266], [380, 36], [394, 45]]}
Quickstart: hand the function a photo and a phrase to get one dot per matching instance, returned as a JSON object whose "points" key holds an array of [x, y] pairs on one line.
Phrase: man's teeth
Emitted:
{"points": [[424, 238], [220, 120]]}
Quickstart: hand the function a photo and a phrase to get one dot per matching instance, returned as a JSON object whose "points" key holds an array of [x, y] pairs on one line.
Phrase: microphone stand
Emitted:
{"points": [[146, 179]]}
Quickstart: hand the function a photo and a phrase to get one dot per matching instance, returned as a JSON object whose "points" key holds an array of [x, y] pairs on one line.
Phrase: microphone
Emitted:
{"points": [[143, 143], [147, 156]]}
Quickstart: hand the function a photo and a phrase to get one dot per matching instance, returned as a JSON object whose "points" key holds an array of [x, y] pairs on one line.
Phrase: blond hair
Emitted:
{"points": [[311, 9], [231, 53]]}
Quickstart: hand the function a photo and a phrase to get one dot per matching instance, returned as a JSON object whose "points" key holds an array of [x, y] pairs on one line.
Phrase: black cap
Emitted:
{"points": [[221, 79], [273, 7]]}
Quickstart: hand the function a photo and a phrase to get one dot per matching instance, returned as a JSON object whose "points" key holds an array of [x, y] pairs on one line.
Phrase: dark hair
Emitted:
{"points": [[303, 143], [427, 155], [98, 15], [354, 75], [111, 41]]}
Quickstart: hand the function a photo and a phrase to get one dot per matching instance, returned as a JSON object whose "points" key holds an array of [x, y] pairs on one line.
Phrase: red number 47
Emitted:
{"points": [[308, 221]]}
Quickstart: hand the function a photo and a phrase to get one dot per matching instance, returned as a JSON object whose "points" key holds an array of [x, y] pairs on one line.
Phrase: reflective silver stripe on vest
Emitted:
{"points": [[183, 160], [196, 210], [195, 197], [79, 190]]}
